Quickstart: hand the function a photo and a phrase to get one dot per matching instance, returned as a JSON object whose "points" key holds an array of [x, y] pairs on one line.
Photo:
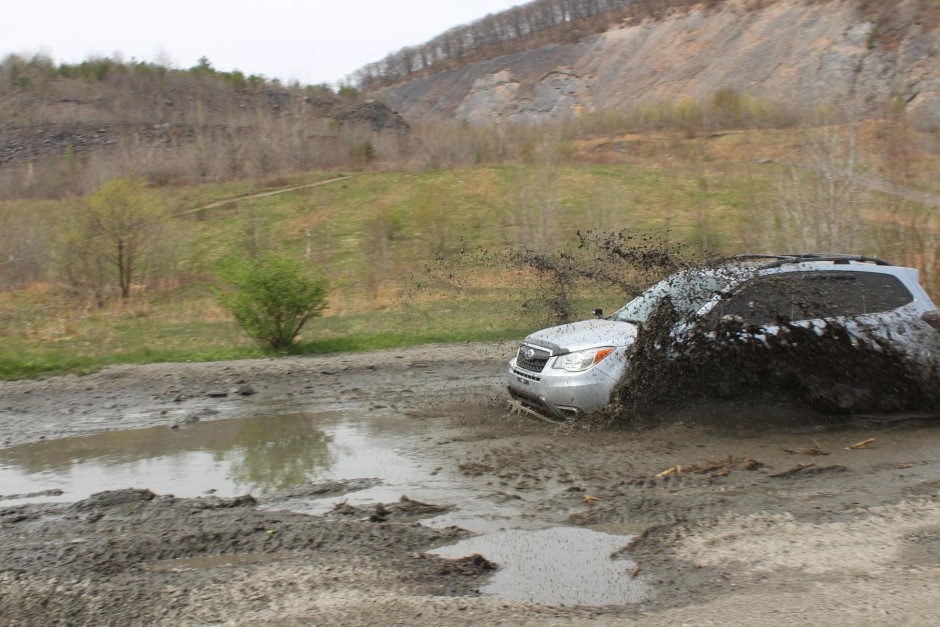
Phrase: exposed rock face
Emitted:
{"points": [[787, 51], [556, 94], [106, 127], [373, 115]]}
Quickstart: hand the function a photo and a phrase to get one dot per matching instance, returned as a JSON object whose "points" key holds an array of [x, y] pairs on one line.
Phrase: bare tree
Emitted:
{"points": [[24, 247], [819, 199], [537, 207]]}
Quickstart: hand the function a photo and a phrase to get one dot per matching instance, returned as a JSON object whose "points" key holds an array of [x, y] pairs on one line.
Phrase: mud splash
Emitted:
{"points": [[828, 369], [551, 283], [625, 260]]}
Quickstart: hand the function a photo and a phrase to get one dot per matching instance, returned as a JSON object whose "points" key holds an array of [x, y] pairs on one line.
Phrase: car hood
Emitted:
{"points": [[568, 338]]}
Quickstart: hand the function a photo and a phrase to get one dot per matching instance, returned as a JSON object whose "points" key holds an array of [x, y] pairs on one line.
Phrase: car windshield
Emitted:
{"points": [[689, 292]]}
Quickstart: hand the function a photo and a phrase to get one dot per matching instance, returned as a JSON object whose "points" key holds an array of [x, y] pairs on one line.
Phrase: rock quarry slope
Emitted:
{"points": [[789, 51]]}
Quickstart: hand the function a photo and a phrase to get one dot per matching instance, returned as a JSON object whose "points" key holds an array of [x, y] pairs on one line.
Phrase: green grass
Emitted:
{"points": [[171, 329], [360, 343], [375, 235], [132, 340]]}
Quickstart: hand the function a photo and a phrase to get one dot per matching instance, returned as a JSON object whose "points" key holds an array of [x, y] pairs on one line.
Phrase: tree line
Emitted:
{"points": [[538, 22], [39, 71], [67, 128]]}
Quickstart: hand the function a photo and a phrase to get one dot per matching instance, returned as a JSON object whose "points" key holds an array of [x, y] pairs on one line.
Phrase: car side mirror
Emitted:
{"points": [[598, 313], [932, 318]]}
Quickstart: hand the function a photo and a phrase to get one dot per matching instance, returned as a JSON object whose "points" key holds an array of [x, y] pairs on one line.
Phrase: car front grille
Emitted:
{"points": [[526, 375], [531, 358]]}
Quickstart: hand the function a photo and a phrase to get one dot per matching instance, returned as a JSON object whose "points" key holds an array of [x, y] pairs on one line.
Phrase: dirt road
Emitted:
{"points": [[741, 515]]}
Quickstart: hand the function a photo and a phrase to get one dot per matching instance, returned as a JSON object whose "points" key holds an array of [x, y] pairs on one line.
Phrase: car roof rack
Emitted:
{"points": [[774, 261], [834, 258]]}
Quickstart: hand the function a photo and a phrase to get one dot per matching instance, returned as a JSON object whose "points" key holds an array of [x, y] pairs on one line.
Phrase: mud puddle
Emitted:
{"points": [[224, 457], [556, 566], [263, 456], [373, 467]]}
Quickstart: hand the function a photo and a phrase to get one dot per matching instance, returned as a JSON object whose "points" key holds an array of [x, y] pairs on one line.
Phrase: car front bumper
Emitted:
{"points": [[558, 394]]}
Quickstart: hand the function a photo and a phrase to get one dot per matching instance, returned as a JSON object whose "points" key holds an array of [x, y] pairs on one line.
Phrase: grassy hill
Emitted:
{"points": [[474, 222], [423, 256]]}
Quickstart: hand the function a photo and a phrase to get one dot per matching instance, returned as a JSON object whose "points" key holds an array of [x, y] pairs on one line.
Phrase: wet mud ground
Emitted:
{"points": [[729, 514]]}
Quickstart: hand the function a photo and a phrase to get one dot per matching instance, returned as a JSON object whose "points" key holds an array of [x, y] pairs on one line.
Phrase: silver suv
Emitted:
{"points": [[567, 371]]}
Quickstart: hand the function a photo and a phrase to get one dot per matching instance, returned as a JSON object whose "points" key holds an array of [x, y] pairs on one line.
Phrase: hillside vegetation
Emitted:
{"points": [[418, 256], [65, 129], [540, 23]]}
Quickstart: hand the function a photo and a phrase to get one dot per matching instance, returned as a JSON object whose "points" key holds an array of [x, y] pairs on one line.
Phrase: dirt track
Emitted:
{"points": [[853, 539]]}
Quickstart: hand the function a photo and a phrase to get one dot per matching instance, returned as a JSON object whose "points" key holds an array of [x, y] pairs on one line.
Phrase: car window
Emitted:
{"points": [[809, 295], [688, 292]]}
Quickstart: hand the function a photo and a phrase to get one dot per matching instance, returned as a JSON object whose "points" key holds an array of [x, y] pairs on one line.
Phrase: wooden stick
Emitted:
{"points": [[794, 470]]}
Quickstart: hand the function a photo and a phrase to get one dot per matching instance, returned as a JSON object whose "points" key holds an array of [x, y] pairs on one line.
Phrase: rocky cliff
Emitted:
{"points": [[792, 51], [96, 125]]}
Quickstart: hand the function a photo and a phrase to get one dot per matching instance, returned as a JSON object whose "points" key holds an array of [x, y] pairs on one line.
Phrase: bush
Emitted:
{"points": [[272, 298], [363, 153]]}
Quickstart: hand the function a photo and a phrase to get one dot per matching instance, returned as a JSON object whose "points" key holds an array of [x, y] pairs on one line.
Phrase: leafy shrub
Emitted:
{"points": [[272, 298], [364, 152]]}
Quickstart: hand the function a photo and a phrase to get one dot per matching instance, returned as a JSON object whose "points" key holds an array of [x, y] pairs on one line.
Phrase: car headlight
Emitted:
{"points": [[582, 360]]}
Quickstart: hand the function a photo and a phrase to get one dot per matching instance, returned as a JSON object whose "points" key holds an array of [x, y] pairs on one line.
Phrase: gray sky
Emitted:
{"points": [[313, 41]]}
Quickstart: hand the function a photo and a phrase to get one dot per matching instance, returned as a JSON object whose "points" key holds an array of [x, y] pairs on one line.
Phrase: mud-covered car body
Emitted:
{"points": [[566, 371]]}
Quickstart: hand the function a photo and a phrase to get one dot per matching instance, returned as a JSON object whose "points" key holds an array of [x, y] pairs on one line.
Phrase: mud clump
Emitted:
{"points": [[323, 489], [405, 508], [825, 369], [148, 557], [112, 498], [471, 565]]}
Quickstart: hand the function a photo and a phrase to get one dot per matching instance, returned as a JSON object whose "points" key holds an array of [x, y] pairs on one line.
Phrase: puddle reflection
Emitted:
{"points": [[276, 454], [257, 455]]}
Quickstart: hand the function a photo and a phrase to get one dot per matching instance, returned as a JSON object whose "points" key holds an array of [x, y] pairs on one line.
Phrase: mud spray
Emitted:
{"points": [[824, 369], [560, 285]]}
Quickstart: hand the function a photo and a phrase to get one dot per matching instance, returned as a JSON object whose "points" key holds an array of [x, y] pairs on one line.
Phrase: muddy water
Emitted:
{"points": [[260, 455], [227, 457], [556, 566], [266, 455]]}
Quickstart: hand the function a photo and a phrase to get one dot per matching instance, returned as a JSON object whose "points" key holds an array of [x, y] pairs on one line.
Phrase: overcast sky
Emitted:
{"points": [[313, 41]]}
